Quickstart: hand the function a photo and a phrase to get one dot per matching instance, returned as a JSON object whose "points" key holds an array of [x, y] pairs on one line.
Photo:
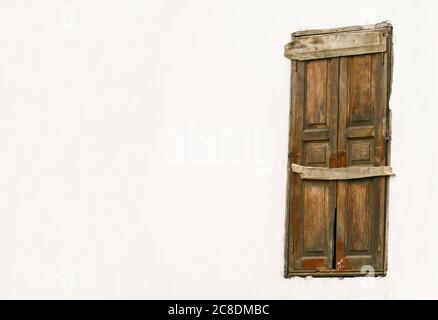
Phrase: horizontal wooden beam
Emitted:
{"points": [[381, 26], [330, 45], [321, 173]]}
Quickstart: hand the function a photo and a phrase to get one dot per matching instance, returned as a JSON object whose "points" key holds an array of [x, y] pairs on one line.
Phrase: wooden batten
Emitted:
{"points": [[337, 43], [321, 173]]}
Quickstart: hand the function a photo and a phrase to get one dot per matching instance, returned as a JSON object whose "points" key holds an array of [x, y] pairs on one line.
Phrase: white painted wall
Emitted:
{"points": [[116, 180]]}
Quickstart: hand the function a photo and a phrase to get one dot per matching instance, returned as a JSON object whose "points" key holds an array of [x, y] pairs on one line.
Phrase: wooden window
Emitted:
{"points": [[339, 139]]}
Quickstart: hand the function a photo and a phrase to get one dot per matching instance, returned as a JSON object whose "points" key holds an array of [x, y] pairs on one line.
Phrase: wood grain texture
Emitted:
{"points": [[359, 217], [349, 173], [359, 99], [381, 26], [316, 93], [315, 217], [335, 45]]}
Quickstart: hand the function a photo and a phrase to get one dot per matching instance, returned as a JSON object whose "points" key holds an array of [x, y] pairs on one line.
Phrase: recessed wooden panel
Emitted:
{"points": [[316, 154], [312, 263], [360, 132], [316, 93], [360, 151], [317, 134], [359, 93], [315, 216], [359, 220]]}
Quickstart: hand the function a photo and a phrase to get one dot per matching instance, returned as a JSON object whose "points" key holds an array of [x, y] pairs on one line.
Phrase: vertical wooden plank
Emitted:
{"points": [[385, 132], [388, 82], [288, 240], [297, 110]]}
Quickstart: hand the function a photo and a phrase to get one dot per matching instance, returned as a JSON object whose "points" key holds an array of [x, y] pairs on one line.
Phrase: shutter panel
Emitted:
{"points": [[361, 141], [315, 95]]}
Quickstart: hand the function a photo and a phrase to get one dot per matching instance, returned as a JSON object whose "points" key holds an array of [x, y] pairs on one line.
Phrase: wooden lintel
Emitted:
{"points": [[330, 45], [381, 26], [321, 173]]}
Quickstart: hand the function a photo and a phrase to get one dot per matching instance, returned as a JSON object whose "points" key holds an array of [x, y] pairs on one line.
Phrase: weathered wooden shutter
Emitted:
{"points": [[338, 161]]}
